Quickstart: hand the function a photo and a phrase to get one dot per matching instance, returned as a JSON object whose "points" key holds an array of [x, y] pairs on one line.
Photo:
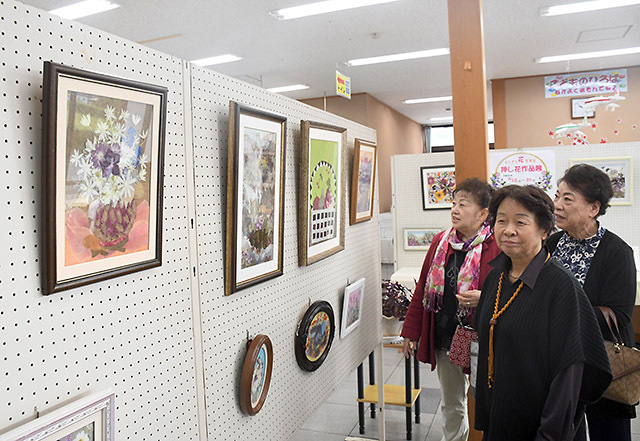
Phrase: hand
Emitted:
{"points": [[408, 348], [469, 299]]}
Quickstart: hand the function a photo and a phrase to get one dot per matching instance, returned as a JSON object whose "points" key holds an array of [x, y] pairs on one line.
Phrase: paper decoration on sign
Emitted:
{"points": [[585, 83], [609, 102], [524, 168], [343, 85]]}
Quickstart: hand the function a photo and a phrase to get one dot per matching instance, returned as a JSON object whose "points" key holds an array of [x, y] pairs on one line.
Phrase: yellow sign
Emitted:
{"points": [[343, 85]]}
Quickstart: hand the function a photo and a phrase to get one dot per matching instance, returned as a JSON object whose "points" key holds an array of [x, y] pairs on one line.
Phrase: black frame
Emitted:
{"points": [[303, 332]]}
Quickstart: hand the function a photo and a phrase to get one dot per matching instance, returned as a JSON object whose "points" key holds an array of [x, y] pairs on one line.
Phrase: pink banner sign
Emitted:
{"points": [[585, 83]]}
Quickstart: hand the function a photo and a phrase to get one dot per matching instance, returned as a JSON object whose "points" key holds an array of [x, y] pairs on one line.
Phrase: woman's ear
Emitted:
{"points": [[595, 208], [484, 214]]}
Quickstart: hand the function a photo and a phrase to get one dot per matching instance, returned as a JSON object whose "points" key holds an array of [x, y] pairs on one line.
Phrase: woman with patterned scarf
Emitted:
{"points": [[447, 293]]}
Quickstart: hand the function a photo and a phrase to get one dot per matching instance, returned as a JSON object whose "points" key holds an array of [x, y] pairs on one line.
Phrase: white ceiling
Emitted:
{"points": [[309, 50]]}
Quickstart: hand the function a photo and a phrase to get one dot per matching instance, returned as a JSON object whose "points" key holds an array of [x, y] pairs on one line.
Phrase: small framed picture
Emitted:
{"points": [[256, 374], [89, 418], [578, 111], [363, 181], [314, 335], [438, 185], [352, 307], [620, 171], [418, 239]]}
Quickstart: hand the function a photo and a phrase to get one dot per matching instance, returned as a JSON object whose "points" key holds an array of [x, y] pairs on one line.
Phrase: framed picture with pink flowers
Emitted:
{"points": [[103, 141], [321, 216], [619, 170], [438, 185]]}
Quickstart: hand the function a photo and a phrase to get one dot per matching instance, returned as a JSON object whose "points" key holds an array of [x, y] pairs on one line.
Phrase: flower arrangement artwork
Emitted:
{"points": [[620, 171], [91, 418], [255, 198], [256, 374], [314, 335], [104, 140], [352, 307], [438, 185], [419, 239], [321, 220], [363, 181]]}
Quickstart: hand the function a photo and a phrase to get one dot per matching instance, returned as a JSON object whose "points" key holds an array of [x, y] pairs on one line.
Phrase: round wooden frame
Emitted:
{"points": [[303, 333], [247, 374]]}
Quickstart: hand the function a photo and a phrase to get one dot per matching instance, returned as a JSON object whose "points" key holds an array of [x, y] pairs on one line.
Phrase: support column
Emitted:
{"points": [[499, 113], [469, 89]]}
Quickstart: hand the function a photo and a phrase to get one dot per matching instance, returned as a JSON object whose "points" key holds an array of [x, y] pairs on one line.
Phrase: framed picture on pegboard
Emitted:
{"points": [[619, 170], [363, 181], [438, 185], [352, 307], [314, 335], [256, 374]]}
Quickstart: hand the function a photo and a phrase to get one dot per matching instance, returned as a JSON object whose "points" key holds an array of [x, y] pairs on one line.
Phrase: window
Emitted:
{"points": [[441, 138]]}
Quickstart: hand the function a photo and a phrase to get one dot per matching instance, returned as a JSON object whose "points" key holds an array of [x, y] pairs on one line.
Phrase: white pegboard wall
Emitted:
{"points": [[132, 333], [275, 306]]}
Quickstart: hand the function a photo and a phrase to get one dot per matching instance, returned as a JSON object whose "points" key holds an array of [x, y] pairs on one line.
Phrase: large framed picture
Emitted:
{"points": [[314, 335], [322, 192], [418, 239], [102, 174], [619, 170], [352, 307], [255, 197], [438, 185], [363, 181], [256, 374], [90, 418]]}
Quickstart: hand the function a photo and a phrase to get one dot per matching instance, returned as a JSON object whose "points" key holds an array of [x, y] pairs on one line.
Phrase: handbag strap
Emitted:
{"points": [[610, 316]]}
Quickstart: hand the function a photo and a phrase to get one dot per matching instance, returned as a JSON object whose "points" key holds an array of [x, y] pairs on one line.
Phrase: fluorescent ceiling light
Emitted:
{"points": [[441, 118], [433, 99], [288, 88], [399, 57], [572, 8], [323, 7], [83, 9], [584, 55], [220, 59]]}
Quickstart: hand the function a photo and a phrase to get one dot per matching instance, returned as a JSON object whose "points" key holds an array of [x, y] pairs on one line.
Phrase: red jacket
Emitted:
{"points": [[419, 324]]}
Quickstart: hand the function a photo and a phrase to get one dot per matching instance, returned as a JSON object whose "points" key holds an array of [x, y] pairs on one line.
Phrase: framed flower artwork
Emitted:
{"points": [[255, 197], [418, 239], [352, 307], [321, 215], [619, 170], [363, 181], [256, 374], [103, 173], [314, 335], [91, 418], [438, 185]]}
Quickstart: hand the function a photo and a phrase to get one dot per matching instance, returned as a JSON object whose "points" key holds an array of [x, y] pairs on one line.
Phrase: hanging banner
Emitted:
{"points": [[343, 85], [585, 83], [533, 167]]}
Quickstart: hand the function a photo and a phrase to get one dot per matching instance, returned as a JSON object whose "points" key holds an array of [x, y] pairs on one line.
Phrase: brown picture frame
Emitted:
{"points": [[363, 181], [260, 348]]}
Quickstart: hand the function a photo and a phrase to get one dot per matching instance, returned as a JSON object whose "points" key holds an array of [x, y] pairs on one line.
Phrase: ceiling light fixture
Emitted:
{"points": [[83, 9], [441, 118], [323, 7], [433, 99], [288, 88], [399, 57], [220, 59], [572, 8], [585, 55]]}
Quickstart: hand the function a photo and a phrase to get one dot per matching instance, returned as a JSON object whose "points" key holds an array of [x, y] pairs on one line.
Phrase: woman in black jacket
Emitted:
{"points": [[603, 263]]}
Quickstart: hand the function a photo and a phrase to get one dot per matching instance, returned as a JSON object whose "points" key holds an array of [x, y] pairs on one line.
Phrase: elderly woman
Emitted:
{"points": [[603, 264], [448, 289], [541, 354]]}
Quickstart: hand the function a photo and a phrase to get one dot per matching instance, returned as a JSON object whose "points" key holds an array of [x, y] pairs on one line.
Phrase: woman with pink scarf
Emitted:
{"points": [[447, 293]]}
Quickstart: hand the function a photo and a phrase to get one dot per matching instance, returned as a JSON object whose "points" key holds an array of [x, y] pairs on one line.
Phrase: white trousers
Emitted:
{"points": [[454, 384]]}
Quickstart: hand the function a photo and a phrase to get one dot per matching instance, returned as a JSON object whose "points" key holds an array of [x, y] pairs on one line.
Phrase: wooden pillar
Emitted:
{"points": [[499, 113], [469, 89]]}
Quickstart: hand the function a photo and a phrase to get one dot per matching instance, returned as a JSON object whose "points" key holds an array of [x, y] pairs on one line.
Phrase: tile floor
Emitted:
{"points": [[337, 418]]}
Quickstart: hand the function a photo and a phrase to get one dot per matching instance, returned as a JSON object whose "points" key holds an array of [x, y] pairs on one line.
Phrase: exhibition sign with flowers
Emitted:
{"points": [[104, 143], [534, 167], [620, 171], [255, 198], [322, 192], [438, 185]]}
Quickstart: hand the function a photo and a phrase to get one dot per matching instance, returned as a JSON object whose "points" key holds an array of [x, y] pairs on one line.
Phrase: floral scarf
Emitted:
{"points": [[469, 275]]}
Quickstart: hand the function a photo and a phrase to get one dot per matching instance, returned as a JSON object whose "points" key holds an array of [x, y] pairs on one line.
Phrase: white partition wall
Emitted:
{"points": [[166, 340]]}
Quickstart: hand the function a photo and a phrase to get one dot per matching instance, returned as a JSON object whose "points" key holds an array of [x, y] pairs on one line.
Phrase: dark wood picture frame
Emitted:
{"points": [[321, 237], [254, 246], [252, 405], [314, 320], [363, 181], [102, 186]]}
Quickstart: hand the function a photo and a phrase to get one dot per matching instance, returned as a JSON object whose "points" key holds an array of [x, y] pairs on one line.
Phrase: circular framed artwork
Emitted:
{"points": [[256, 374], [315, 335]]}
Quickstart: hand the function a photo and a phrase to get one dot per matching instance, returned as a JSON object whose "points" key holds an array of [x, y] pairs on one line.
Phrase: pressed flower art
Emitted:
{"points": [[620, 171], [438, 185]]}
